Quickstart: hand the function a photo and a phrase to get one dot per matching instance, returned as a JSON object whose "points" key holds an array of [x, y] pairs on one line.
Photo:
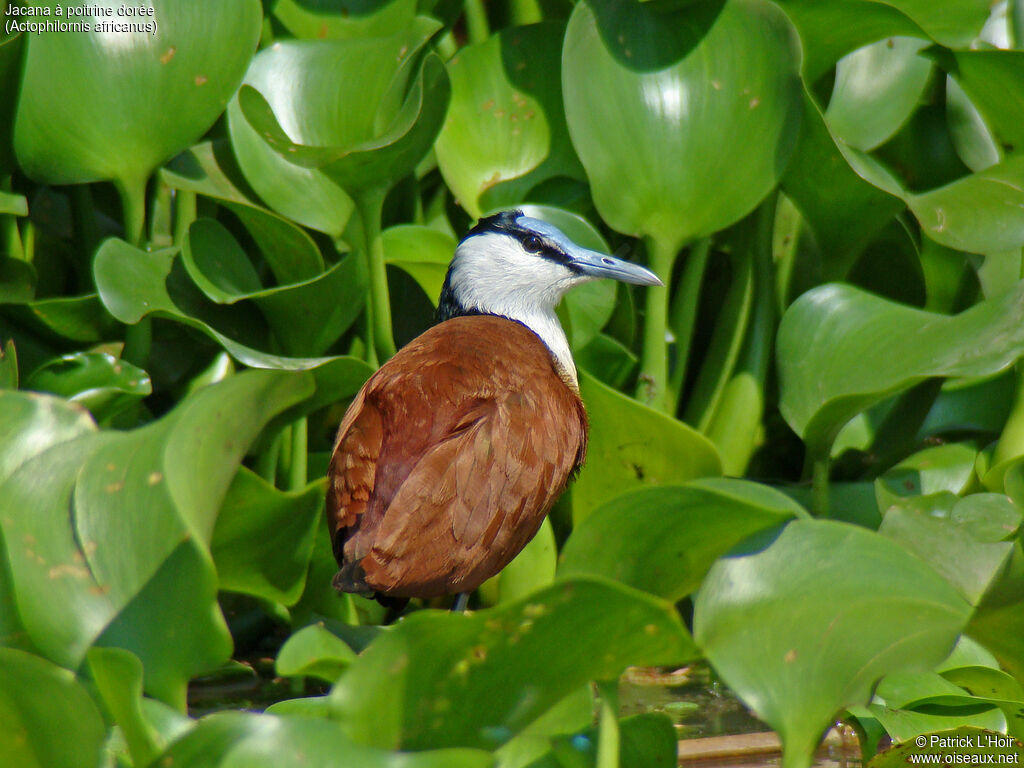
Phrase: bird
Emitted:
{"points": [[454, 450]]}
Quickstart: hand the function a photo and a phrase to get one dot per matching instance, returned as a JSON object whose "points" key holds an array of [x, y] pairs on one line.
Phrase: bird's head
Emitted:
{"points": [[519, 267]]}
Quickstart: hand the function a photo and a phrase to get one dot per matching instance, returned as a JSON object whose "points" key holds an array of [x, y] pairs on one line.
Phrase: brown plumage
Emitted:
{"points": [[449, 457]]}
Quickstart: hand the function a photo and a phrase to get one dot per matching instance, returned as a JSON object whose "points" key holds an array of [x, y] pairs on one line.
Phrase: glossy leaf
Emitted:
{"points": [[830, 30], [237, 739], [118, 677], [444, 679], [111, 577], [877, 88], [505, 132], [344, 19], [631, 446], [33, 423], [949, 543], [664, 149], [422, 252], [797, 653], [72, 126], [380, 158], [825, 336], [314, 651], [10, 70], [95, 380], [33, 732], [663, 540], [134, 284], [8, 365], [253, 563]]}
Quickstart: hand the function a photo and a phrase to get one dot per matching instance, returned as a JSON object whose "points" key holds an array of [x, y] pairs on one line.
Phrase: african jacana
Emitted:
{"points": [[452, 453]]}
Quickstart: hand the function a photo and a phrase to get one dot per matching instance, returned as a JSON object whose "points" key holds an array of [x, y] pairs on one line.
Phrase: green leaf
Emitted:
{"points": [[253, 563], [664, 540], [10, 73], [11, 203], [315, 652], [827, 334], [381, 158], [32, 424], [506, 132], [344, 19], [998, 622], [946, 540], [830, 30], [8, 365], [131, 568], [992, 81], [967, 744], [440, 679], [684, 166], [532, 569], [217, 264], [48, 720], [247, 740], [948, 467], [71, 318], [797, 653], [844, 211], [134, 283], [632, 446], [876, 90], [422, 252], [98, 381], [118, 677], [72, 127]]}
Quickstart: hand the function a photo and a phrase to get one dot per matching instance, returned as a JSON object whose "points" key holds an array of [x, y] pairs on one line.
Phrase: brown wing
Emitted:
{"points": [[478, 437]]}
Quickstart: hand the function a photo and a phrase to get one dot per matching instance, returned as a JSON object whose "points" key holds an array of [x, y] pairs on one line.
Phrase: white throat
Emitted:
{"points": [[491, 274]]}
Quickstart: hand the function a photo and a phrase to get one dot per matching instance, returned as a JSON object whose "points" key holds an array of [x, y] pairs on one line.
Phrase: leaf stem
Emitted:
{"points": [[608, 725], [477, 26], [653, 385], [297, 471], [526, 12], [684, 313], [184, 213], [819, 485], [133, 209], [370, 205]]}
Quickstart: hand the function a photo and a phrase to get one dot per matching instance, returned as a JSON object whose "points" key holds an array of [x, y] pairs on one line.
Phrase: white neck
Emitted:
{"points": [[545, 324]]}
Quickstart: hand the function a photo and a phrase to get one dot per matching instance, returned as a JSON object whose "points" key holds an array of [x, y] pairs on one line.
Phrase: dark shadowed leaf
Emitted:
{"points": [[98, 381]]}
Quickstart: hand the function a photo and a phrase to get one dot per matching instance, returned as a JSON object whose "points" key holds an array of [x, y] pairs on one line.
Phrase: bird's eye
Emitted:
{"points": [[532, 244]]}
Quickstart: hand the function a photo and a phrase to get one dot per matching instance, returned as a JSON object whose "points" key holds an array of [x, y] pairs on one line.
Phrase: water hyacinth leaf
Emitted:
{"points": [[347, 114], [72, 127], [998, 622], [250, 562], [314, 651], [948, 467], [980, 213], [117, 674], [876, 90], [967, 743], [826, 334], [972, 138], [382, 157], [842, 209], [766, 625], [217, 264], [33, 423], [663, 540], [134, 284], [33, 732], [11, 203], [71, 318], [237, 739], [8, 365], [423, 252], [992, 81], [631, 446], [442, 679], [505, 132], [344, 19], [684, 125], [945, 540], [10, 70], [533, 568], [132, 565], [828, 31], [98, 381]]}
